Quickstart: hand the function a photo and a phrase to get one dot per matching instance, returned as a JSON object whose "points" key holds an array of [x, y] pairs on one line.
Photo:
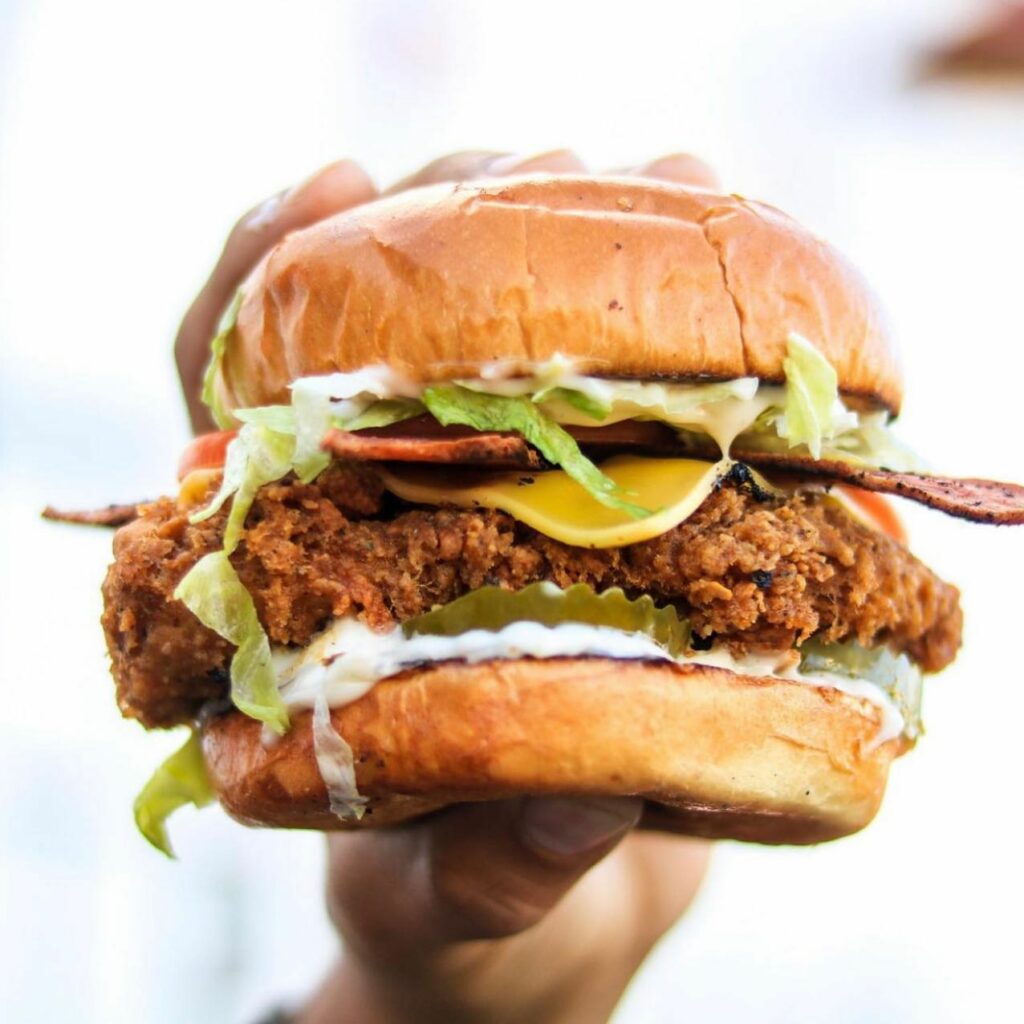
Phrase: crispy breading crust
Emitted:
{"points": [[755, 573]]}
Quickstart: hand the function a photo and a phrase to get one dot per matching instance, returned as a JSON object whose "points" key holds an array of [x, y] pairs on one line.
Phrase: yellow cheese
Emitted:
{"points": [[555, 505], [195, 487]]}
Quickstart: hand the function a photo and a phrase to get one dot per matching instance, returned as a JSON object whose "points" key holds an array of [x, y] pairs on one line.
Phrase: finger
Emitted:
{"points": [[337, 187], [673, 868], [472, 872], [462, 166], [681, 168], [482, 163]]}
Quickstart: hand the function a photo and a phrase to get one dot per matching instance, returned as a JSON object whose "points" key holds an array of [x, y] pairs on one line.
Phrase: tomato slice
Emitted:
{"points": [[878, 510], [205, 452]]}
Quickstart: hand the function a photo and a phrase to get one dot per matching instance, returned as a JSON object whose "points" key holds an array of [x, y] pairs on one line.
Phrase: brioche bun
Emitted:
{"points": [[714, 753], [633, 278]]}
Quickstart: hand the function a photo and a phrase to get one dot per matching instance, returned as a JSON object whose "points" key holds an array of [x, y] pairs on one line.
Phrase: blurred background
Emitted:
{"points": [[131, 137]]}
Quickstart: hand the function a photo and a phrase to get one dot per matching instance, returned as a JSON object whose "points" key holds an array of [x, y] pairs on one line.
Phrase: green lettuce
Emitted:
{"points": [[220, 414], [812, 397], [491, 608], [894, 673], [279, 418], [579, 400], [384, 412], [449, 403], [312, 414], [256, 457], [216, 596], [180, 780]]}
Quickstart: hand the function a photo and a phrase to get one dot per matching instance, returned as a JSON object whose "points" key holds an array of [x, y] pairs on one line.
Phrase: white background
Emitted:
{"points": [[132, 134]]}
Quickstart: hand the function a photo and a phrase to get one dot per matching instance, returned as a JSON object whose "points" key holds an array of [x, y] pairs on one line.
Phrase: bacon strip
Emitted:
{"points": [[112, 515], [981, 501], [496, 451], [423, 439]]}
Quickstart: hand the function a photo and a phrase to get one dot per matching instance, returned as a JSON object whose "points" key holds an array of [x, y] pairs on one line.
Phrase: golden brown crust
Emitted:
{"points": [[632, 278], [714, 753]]}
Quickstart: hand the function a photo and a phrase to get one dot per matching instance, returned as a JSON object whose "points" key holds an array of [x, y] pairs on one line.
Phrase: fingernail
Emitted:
{"points": [[574, 826], [555, 161], [265, 212]]}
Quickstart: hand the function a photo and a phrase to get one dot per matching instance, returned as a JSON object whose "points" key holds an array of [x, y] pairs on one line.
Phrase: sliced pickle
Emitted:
{"points": [[895, 674], [492, 608]]}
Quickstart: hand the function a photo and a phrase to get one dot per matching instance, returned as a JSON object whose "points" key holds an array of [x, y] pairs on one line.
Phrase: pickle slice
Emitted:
{"points": [[492, 608]]}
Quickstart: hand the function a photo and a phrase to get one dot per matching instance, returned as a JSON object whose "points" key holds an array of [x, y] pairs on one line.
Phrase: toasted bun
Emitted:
{"points": [[714, 753], [632, 278]]}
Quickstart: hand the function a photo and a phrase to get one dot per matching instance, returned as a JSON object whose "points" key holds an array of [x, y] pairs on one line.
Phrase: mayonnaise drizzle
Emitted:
{"points": [[348, 658], [695, 406]]}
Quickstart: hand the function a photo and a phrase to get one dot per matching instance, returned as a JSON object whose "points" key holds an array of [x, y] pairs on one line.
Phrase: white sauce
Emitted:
{"points": [[692, 405], [348, 658]]}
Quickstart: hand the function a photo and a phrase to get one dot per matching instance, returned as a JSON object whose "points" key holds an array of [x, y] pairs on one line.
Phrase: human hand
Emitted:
{"points": [[523, 910]]}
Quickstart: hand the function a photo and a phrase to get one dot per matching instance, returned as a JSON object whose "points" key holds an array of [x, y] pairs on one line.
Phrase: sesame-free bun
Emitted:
{"points": [[630, 277], [714, 753]]}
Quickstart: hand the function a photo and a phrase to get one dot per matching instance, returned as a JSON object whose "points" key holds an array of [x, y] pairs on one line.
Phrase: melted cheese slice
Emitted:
{"points": [[555, 505]]}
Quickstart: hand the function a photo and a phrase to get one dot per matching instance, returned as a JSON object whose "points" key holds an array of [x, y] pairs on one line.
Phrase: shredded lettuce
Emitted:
{"points": [[312, 413], [895, 674], [256, 457], [279, 418], [492, 608], [384, 412], [216, 596], [180, 780], [593, 408], [337, 767], [220, 414], [813, 410], [867, 443], [870, 442], [449, 403]]}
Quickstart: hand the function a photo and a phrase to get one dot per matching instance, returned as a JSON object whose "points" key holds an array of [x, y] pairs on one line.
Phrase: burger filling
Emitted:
{"points": [[749, 571], [291, 580]]}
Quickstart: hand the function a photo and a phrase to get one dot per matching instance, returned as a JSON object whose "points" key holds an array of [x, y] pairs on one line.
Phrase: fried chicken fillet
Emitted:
{"points": [[756, 574]]}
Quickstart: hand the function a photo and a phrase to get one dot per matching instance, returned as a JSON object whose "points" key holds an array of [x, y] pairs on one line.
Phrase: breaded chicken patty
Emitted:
{"points": [[753, 571]]}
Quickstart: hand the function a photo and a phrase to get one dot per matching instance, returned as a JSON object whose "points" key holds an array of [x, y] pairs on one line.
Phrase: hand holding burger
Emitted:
{"points": [[478, 913], [548, 486]]}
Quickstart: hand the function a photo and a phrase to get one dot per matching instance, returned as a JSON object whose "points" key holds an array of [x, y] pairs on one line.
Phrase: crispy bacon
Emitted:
{"points": [[424, 440], [982, 501], [112, 515], [497, 451]]}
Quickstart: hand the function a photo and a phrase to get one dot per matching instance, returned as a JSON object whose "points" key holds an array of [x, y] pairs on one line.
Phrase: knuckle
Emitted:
{"points": [[485, 908]]}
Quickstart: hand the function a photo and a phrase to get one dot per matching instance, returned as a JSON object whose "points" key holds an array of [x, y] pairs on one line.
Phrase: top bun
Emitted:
{"points": [[629, 277]]}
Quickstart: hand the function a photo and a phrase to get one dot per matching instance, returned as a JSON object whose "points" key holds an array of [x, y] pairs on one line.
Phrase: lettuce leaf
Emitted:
{"points": [[813, 410], [216, 596], [894, 673], [221, 416], [180, 780], [449, 403], [384, 412], [579, 400], [279, 418], [335, 762], [257, 456], [312, 415], [491, 608]]}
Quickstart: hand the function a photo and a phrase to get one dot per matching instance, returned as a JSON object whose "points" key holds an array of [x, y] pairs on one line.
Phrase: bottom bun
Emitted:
{"points": [[713, 753]]}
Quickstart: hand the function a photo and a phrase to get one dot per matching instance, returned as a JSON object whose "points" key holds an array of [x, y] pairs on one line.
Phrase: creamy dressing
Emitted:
{"points": [[348, 658], [722, 410]]}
